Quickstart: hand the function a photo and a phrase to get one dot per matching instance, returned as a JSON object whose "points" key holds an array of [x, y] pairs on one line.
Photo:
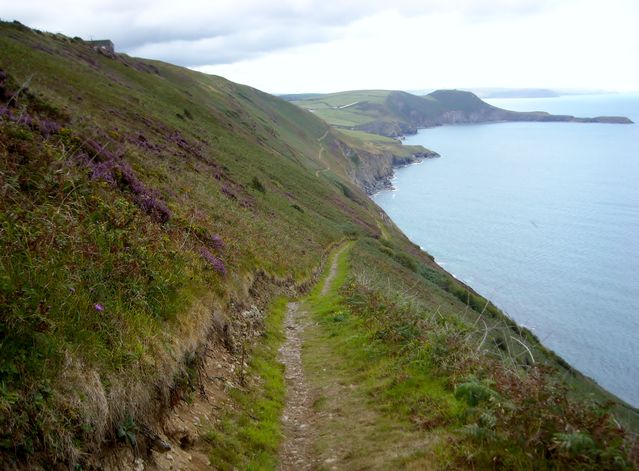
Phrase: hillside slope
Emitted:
{"points": [[395, 113], [142, 205], [151, 217]]}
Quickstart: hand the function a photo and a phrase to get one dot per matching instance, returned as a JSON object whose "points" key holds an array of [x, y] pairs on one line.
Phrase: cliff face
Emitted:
{"points": [[373, 171]]}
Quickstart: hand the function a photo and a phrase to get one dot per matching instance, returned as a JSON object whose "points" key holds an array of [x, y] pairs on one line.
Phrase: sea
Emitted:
{"points": [[543, 219]]}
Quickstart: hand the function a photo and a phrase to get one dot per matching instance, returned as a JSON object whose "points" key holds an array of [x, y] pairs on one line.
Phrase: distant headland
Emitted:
{"points": [[396, 113]]}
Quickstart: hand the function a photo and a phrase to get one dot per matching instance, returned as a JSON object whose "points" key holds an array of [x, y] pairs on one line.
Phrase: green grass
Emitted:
{"points": [[370, 106], [334, 108], [398, 372], [366, 137], [249, 436], [434, 371], [346, 118], [376, 144], [335, 100]]}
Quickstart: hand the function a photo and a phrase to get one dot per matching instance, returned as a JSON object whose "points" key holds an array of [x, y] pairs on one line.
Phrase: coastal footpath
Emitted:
{"points": [[165, 232]]}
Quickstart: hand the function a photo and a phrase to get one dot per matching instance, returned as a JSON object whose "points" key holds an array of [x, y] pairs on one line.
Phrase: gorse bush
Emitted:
{"points": [[258, 185]]}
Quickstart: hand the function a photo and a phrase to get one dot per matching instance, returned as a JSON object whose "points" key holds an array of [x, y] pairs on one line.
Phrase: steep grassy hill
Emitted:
{"points": [[394, 113], [140, 201], [151, 214]]}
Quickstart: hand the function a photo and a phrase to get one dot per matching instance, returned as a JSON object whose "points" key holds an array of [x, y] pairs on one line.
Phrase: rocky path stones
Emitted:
{"points": [[298, 419], [295, 452]]}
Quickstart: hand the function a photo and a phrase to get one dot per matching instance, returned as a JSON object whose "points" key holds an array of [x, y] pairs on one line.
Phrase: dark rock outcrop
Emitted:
{"points": [[373, 172]]}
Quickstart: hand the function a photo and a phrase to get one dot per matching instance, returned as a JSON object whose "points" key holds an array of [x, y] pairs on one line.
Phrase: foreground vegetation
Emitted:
{"points": [[249, 435]]}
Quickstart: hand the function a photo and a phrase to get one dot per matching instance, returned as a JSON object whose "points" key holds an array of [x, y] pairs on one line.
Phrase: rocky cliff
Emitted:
{"points": [[373, 170]]}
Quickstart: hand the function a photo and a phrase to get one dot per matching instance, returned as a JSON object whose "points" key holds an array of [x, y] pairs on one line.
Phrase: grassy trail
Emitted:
{"points": [[330, 420], [321, 151], [298, 417]]}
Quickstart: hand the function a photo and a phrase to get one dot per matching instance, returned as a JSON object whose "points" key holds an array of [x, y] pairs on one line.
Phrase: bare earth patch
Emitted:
{"points": [[295, 452]]}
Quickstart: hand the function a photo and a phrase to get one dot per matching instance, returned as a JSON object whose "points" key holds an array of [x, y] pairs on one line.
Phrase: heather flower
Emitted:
{"points": [[141, 141], [229, 192], [216, 241], [113, 169], [103, 171], [216, 263], [98, 307], [25, 119], [154, 207], [48, 127]]}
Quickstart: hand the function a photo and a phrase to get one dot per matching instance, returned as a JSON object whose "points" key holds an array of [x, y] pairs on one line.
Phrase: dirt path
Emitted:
{"points": [[298, 417], [329, 420], [321, 151], [328, 281], [295, 452]]}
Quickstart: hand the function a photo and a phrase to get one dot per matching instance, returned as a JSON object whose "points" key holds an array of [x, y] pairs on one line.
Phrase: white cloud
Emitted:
{"points": [[194, 24], [321, 45]]}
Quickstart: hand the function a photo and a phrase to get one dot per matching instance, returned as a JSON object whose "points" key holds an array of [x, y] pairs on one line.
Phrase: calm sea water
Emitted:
{"points": [[543, 219]]}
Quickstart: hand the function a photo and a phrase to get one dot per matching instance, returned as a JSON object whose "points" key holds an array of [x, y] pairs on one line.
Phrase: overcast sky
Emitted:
{"points": [[297, 46]]}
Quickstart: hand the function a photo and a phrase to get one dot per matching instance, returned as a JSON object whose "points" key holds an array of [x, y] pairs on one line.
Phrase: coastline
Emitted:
{"points": [[569, 371], [634, 410], [382, 181]]}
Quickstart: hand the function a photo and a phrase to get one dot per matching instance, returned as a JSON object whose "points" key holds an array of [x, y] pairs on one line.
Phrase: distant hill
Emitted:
{"points": [[299, 96], [395, 113]]}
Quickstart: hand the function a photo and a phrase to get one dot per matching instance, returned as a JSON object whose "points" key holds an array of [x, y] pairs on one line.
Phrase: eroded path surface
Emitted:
{"points": [[295, 452], [298, 418]]}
